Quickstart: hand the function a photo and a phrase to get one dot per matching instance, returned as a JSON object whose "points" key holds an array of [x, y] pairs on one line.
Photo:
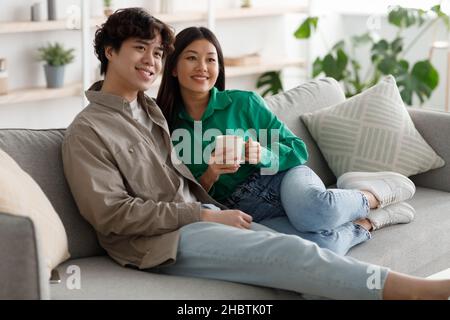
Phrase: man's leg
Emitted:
{"points": [[265, 258]]}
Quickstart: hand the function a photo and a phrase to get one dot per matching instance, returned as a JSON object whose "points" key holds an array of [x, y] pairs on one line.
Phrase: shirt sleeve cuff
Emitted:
{"points": [[188, 212]]}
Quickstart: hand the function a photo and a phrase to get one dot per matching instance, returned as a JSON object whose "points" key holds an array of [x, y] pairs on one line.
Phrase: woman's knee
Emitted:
{"points": [[312, 211]]}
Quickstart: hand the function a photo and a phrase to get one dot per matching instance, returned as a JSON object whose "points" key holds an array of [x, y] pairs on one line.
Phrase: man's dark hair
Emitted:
{"points": [[130, 23]]}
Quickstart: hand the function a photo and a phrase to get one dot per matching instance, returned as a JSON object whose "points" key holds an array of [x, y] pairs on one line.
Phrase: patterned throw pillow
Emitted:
{"points": [[371, 131]]}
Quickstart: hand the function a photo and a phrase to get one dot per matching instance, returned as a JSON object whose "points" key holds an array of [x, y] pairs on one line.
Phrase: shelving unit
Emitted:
{"points": [[29, 26], [37, 94]]}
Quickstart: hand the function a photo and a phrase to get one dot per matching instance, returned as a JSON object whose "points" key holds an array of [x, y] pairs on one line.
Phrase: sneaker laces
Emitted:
{"points": [[389, 200]]}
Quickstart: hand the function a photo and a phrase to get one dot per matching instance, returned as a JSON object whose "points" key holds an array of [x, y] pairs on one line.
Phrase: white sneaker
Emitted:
{"points": [[388, 187], [394, 214]]}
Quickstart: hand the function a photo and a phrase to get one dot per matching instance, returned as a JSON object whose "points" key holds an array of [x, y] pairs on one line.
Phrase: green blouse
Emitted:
{"points": [[245, 114]]}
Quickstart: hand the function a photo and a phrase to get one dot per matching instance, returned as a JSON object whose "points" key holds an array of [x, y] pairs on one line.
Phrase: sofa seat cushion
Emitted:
{"points": [[419, 248], [102, 278]]}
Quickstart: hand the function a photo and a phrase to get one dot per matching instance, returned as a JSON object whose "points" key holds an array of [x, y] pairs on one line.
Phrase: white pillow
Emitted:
{"points": [[21, 195], [371, 131]]}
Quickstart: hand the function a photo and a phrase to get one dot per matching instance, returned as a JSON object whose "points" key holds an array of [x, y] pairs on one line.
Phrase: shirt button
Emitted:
{"points": [[131, 150]]}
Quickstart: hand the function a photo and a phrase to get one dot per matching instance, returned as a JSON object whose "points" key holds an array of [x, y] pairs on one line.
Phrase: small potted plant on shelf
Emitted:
{"points": [[107, 7], [56, 58]]}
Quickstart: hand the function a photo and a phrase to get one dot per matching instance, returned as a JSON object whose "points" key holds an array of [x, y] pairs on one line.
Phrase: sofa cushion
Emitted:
{"points": [[38, 152], [102, 278], [371, 131], [308, 97], [420, 247], [20, 195]]}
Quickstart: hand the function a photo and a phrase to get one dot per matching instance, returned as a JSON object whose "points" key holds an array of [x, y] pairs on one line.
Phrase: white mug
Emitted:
{"points": [[233, 146]]}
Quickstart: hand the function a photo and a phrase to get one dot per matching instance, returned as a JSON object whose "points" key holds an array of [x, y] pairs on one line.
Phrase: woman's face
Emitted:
{"points": [[197, 67]]}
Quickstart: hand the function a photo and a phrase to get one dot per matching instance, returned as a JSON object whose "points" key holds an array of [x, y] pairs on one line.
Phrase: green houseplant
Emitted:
{"points": [[56, 57], [387, 56]]}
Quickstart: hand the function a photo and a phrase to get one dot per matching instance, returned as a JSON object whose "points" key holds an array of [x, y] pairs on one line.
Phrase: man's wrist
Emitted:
{"points": [[205, 215]]}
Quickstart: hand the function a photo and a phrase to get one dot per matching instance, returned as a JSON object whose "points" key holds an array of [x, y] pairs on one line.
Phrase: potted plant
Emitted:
{"points": [[56, 57], [107, 7]]}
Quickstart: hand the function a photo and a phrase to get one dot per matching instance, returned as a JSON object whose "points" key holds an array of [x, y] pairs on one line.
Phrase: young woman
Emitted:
{"points": [[294, 200]]}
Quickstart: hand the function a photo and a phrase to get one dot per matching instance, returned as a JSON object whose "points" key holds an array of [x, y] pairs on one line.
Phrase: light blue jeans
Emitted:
{"points": [[264, 257], [297, 202]]}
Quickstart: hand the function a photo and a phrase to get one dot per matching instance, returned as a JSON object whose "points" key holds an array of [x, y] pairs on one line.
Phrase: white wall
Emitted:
{"points": [[269, 36]]}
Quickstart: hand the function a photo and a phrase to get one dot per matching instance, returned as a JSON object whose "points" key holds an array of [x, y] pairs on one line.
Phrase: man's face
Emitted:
{"points": [[136, 65]]}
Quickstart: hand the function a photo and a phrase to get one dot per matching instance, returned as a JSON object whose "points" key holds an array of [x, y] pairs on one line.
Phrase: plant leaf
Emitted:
{"points": [[317, 67], [338, 45], [397, 46], [405, 17], [305, 29], [272, 81], [437, 9], [424, 72], [362, 39], [422, 80]]}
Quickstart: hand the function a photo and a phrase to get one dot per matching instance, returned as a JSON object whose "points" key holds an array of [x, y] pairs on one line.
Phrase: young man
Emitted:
{"points": [[148, 210]]}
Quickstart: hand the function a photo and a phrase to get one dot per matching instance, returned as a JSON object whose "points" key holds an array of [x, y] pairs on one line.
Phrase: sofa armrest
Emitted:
{"points": [[21, 276], [434, 126]]}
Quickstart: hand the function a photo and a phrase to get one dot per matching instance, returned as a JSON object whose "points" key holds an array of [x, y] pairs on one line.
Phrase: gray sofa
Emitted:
{"points": [[420, 248]]}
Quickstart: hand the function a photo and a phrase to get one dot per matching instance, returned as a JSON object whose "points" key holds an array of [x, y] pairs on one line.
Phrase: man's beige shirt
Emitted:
{"points": [[125, 183]]}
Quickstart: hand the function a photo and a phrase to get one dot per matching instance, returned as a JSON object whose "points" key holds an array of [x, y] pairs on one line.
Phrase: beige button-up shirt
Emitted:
{"points": [[125, 183]]}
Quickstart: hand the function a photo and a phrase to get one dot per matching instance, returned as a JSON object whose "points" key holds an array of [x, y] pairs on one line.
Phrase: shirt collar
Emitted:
{"points": [[218, 100], [118, 103]]}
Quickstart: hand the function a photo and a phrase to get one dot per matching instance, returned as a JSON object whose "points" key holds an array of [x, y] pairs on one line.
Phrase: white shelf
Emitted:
{"points": [[255, 12], [38, 94], [272, 64], [167, 18], [222, 14], [32, 26]]}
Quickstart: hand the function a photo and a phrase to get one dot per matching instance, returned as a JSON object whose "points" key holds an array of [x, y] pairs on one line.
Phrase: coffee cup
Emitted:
{"points": [[229, 149]]}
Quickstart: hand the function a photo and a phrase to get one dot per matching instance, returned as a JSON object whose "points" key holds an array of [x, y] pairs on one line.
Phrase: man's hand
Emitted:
{"points": [[234, 218], [252, 151]]}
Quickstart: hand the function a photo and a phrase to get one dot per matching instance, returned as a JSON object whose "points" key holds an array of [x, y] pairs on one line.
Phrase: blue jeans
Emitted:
{"points": [[263, 257], [297, 202]]}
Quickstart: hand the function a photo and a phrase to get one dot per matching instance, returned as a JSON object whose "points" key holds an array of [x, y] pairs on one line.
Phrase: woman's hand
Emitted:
{"points": [[252, 151], [234, 218], [217, 167]]}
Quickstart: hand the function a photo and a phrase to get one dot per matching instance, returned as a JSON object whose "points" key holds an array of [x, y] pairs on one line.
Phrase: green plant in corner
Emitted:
{"points": [[386, 56], [55, 54]]}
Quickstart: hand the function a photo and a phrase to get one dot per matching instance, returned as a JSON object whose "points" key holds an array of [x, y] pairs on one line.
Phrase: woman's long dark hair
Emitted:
{"points": [[169, 96]]}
